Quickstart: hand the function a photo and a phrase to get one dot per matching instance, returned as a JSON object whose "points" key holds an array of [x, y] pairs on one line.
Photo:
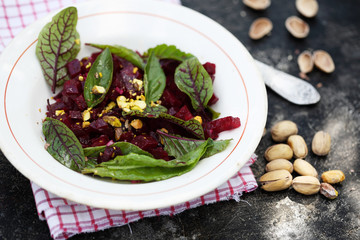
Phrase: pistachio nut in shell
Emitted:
{"points": [[304, 168], [297, 27], [308, 8], [279, 164], [321, 143], [333, 176], [298, 145], [257, 4], [276, 180], [324, 61], [305, 62], [282, 130], [306, 185], [328, 191], [260, 28], [277, 151]]}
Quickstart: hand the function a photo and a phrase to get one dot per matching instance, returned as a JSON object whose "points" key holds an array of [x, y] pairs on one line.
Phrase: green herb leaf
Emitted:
{"points": [[214, 114], [126, 148], [164, 51], [100, 74], [154, 80], [63, 145], [192, 126], [58, 43], [138, 167], [122, 52], [177, 146], [192, 78], [150, 112]]}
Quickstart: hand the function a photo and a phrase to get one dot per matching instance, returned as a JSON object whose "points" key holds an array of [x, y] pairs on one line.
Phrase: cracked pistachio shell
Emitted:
{"points": [[277, 151], [305, 61], [276, 180], [298, 145], [257, 4], [279, 164], [321, 143], [282, 130], [333, 176], [260, 28], [307, 8], [297, 27], [328, 191], [306, 185], [304, 168], [324, 61]]}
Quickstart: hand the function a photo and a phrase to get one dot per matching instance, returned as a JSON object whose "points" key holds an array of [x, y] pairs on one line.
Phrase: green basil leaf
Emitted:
{"points": [[164, 51], [126, 148], [122, 52], [63, 145], [58, 43], [100, 74], [177, 146], [150, 112], [192, 126], [192, 79], [138, 167], [154, 80]]}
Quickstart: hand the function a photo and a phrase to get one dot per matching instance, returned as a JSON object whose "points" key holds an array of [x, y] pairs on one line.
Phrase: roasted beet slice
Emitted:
{"points": [[213, 99], [100, 141], [102, 127], [80, 102], [210, 68], [75, 115], [74, 68], [169, 100], [108, 154], [145, 142], [126, 137], [159, 153], [72, 87], [184, 113], [78, 129], [213, 128]]}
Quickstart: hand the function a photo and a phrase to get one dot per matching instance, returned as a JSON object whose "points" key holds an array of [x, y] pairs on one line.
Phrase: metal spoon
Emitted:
{"points": [[289, 87]]}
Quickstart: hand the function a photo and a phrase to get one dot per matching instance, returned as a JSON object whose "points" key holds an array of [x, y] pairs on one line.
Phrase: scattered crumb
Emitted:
{"points": [[319, 85], [290, 57], [37, 123], [352, 170], [304, 76], [352, 189], [243, 14], [39, 109]]}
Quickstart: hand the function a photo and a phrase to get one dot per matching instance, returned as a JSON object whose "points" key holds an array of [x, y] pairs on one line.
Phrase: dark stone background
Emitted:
{"points": [[281, 215]]}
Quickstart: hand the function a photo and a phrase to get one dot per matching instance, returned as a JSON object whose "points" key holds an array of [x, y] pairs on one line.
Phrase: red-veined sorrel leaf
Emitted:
{"points": [[164, 51], [58, 43], [100, 74], [192, 78], [63, 145]]}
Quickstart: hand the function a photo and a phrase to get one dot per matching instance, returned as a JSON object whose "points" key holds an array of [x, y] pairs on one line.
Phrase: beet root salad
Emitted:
{"points": [[127, 115]]}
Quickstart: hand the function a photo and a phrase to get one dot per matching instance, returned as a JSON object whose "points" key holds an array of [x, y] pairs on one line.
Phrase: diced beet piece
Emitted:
{"points": [[85, 140], [168, 99], [210, 68], [169, 66], [85, 67], [64, 118], [102, 127], [68, 100], [213, 99], [171, 111], [72, 87], [159, 153], [75, 115], [58, 105], [108, 154], [73, 68], [100, 141], [94, 56], [78, 129], [80, 102], [213, 128], [145, 142], [184, 113], [126, 137]]}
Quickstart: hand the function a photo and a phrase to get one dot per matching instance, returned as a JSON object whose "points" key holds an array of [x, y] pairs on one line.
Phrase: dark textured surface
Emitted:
{"points": [[282, 215]]}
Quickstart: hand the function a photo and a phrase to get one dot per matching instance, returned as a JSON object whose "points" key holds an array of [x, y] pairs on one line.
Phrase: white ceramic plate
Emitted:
{"points": [[136, 24]]}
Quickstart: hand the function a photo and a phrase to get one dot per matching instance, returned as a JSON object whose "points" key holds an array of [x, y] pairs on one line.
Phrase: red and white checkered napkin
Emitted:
{"points": [[66, 218]]}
